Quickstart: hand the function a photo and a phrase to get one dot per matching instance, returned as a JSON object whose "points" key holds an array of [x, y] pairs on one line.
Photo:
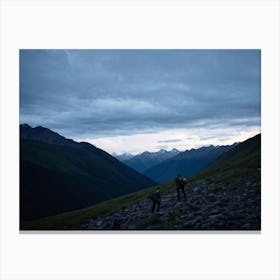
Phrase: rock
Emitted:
{"points": [[246, 226], [216, 216], [116, 225], [233, 206], [189, 225], [208, 225], [198, 218], [248, 184], [220, 224], [215, 211], [131, 226]]}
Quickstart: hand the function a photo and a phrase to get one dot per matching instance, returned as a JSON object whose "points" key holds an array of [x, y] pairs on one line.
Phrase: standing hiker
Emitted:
{"points": [[155, 197], [180, 185]]}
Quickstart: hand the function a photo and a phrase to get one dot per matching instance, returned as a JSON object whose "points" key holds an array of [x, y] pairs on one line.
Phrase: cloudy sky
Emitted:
{"points": [[137, 100]]}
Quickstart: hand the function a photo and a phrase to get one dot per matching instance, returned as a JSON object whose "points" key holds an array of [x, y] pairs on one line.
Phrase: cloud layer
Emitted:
{"points": [[106, 93]]}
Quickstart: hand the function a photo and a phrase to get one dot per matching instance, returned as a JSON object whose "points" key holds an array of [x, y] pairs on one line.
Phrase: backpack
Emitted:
{"points": [[184, 181]]}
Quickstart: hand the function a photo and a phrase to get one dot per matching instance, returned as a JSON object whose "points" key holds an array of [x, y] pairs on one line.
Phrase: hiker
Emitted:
{"points": [[155, 197], [180, 185]]}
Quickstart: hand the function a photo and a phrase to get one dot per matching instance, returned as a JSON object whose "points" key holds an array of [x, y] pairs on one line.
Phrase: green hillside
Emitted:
{"points": [[243, 158]]}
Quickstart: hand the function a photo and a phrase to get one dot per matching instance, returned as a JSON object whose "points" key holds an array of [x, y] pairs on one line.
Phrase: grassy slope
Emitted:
{"points": [[73, 219], [240, 161]]}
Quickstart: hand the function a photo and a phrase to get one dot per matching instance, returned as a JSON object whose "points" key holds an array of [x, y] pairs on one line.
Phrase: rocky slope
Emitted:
{"points": [[216, 203]]}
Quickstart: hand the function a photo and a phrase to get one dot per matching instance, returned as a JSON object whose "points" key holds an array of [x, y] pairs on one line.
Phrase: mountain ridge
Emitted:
{"points": [[46, 135], [187, 162], [59, 174], [148, 159]]}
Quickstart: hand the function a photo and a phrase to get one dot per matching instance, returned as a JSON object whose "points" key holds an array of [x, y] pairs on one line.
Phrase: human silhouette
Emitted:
{"points": [[156, 199], [180, 185]]}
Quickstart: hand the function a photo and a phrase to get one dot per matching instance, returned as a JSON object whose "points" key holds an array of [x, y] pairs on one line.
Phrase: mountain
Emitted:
{"points": [[185, 163], [123, 157], [45, 135], [226, 195], [243, 156], [59, 174], [147, 159]]}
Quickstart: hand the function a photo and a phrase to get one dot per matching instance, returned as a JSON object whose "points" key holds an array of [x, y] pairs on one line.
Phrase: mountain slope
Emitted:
{"points": [[224, 196], [187, 163], [68, 175], [146, 159], [244, 156]]}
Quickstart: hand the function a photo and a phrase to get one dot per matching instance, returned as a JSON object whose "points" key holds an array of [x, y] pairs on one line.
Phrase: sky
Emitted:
{"points": [[137, 100]]}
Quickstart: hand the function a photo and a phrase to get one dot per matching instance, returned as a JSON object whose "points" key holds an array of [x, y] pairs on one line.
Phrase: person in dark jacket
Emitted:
{"points": [[155, 197], [180, 185]]}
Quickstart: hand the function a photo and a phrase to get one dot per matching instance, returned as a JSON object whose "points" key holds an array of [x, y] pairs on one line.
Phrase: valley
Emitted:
{"points": [[226, 195]]}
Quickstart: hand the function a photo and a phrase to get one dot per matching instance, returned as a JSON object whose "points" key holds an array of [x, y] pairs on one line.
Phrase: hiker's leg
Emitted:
{"points": [[153, 207], [183, 190], [158, 205], [178, 193]]}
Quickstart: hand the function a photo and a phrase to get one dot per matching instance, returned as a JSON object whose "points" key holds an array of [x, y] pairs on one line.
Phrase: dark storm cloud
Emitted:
{"points": [[90, 93]]}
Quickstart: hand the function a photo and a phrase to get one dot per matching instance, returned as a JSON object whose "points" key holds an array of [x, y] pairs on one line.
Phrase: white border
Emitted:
{"points": [[135, 24]]}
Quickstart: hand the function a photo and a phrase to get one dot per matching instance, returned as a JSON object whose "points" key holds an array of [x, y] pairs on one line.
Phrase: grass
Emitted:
{"points": [[150, 221]]}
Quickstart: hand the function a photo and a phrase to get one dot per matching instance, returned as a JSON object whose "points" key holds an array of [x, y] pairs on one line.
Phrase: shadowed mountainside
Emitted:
{"points": [[59, 174]]}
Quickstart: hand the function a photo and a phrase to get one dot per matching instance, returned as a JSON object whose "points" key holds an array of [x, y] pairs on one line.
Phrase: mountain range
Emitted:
{"points": [[58, 174], [145, 160], [187, 163], [163, 166], [122, 157]]}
